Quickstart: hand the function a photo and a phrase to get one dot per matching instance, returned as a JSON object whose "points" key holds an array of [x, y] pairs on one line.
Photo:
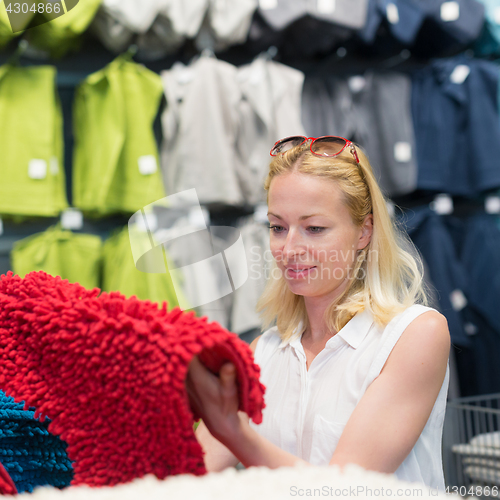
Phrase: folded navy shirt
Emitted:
{"points": [[460, 20], [457, 126]]}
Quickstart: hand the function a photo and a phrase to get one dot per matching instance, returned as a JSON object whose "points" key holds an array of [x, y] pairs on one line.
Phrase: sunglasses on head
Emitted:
{"points": [[328, 145]]}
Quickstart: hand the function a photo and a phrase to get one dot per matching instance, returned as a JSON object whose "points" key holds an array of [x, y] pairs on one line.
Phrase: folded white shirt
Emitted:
{"points": [[134, 15], [487, 439], [468, 449], [484, 474]]}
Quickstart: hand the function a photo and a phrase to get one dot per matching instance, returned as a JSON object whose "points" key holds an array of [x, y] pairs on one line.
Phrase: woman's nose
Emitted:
{"points": [[293, 246]]}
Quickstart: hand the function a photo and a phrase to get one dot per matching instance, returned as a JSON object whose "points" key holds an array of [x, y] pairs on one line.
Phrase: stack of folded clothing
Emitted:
{"points": [[481, 459]]}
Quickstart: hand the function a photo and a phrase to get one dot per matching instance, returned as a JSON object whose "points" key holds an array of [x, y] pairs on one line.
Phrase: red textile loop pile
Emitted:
{"points": [[110, 374], [7, 486]]}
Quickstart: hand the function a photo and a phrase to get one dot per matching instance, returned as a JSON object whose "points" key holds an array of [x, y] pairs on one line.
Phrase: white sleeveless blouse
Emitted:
{"points": [[306, 410]]}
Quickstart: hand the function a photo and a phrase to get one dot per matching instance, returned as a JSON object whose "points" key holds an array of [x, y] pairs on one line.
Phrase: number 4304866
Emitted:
{"points": [[474, 491], [40, 8]]}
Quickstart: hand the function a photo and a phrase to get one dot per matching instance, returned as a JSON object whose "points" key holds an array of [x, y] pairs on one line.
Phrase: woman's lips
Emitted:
{"points": [[298, 272]]}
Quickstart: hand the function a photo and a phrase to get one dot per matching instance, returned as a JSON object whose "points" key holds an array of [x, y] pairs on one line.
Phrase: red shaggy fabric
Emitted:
{"points": [[7, 486], [109, 372]]}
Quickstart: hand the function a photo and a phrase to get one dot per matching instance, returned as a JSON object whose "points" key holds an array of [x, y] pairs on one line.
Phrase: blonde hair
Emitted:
{"points": [[388, 273]]}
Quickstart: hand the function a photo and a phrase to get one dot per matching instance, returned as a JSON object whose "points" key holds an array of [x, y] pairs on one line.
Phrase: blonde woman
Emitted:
{"points": [[356, 366]]}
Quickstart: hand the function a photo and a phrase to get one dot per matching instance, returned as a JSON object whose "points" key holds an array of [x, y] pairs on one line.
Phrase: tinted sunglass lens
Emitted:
{"points": [[328, 146], [287, 144]]}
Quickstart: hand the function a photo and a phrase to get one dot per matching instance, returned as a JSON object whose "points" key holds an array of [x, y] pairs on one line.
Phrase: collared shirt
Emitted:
{"points": [[115, 158], [75, 257], [33, 176], [226, 24], [307, 409], [433, 235], [457, 109], [136, 16], [460, 20], [200, 125], [281, 13], [270, 107], [356, 107]]}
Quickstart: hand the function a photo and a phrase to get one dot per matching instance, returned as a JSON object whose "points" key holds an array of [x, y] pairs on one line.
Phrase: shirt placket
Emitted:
{"points": [[307, 379], [304, 396]]}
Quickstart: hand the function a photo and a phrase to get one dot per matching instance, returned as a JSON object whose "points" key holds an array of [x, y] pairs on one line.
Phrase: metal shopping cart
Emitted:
{"points": [[471, 446]]}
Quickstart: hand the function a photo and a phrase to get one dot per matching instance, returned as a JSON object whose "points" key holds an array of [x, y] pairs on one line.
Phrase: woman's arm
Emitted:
{"points": [[217, 456], [383, 427], [388, 420]]}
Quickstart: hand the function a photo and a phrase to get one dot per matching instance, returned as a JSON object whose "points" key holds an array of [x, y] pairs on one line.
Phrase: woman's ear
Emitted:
{"points": [[366, 232]]}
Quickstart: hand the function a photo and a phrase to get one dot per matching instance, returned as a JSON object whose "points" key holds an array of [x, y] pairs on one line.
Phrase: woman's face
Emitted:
{"points": [[313, 238]]}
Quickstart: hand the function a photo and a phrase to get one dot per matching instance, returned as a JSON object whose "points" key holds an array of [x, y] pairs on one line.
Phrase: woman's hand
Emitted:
{"points": [[214, 398]]}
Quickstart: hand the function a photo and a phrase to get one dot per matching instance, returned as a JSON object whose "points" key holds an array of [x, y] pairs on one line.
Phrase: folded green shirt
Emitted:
{"points": [[120, 273], [72, 256], [31, 142], [116, 166], [63, 33]]}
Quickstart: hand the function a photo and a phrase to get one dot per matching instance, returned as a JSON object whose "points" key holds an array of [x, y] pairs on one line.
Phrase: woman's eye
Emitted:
{"points": [[312, 229], [315, 229], [275, 229]]}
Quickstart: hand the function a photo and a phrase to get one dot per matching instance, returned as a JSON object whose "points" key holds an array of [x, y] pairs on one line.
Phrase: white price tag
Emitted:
{"points": [[496, 15], [459, 74], [326, 6], [147, 164], [450, 11], [402, 151], [72, 218], [268, 4], [37, 169], [458, 299], [442, 204], [356, 83], [392, 13], [492, 204]]}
